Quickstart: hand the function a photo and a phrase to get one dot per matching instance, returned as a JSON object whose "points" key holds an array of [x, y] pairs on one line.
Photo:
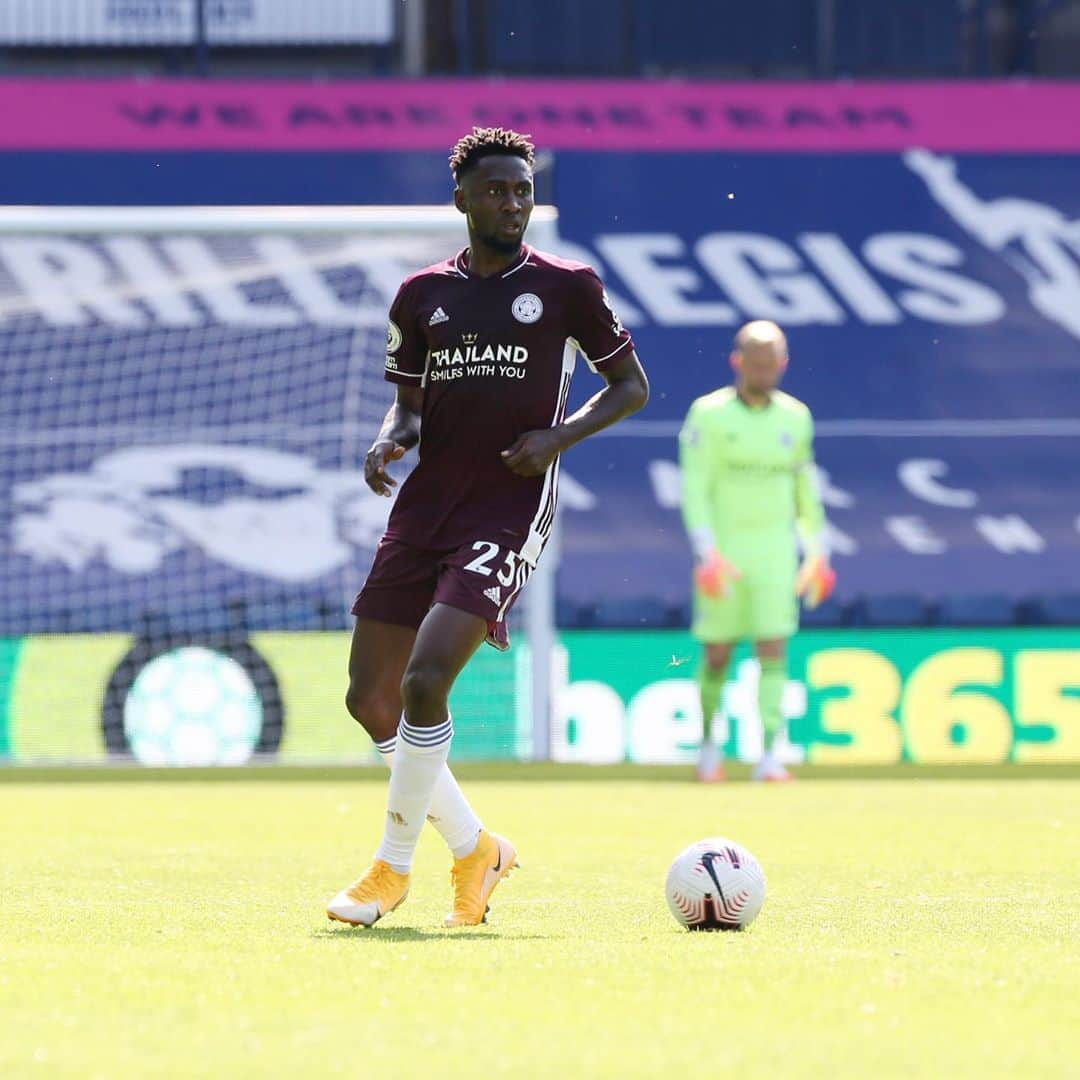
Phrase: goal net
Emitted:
{"points": [[186, 397]]}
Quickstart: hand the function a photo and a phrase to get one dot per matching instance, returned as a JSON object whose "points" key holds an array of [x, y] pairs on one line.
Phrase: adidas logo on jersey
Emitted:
{"points": [[437, 317], [493, 594]]}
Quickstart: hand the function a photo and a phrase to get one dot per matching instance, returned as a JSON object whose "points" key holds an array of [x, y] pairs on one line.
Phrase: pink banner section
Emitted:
{"points": [[43, 114]]}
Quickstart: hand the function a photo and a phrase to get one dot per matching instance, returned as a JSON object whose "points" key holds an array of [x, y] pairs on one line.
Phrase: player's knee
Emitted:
{"points": [[373, 712], [717, 657], [771, 650], [424, 688]]}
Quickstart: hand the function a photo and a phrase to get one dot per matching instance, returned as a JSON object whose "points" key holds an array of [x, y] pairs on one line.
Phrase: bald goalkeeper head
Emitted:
{"points": [[759, 359]]}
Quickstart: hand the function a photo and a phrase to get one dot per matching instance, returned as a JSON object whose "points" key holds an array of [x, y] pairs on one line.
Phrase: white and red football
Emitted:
{"points": [[715, 884]]}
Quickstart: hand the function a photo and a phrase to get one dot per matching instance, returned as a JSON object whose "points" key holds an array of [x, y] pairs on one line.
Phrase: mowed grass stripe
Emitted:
{"points": [[520, 772], [916, 927]]}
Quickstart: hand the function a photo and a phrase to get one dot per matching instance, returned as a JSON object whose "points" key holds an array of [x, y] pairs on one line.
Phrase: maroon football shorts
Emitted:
{"points": [[482, 578]]}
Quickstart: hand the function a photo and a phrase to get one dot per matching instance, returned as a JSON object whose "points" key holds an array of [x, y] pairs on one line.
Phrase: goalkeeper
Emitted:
{"points": [[748, 485]]}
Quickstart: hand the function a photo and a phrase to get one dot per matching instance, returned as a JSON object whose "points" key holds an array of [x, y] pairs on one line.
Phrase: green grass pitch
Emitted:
{"points": [[913, 927]]}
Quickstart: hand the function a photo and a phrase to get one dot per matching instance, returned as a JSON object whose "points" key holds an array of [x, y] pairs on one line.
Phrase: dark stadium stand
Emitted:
{"points": [[898, 39], [1060, 609], [895, 609], [977, 609], [830, 614], [770, 38], [779, 38]]}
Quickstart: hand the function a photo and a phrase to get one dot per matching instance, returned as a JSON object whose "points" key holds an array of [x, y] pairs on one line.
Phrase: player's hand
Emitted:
{"points": [[815, 581], [715, 575], [378, 457], [531, 454]]}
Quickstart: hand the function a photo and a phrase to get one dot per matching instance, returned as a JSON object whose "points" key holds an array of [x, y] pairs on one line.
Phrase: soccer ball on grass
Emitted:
{"points": [[715, 884]]}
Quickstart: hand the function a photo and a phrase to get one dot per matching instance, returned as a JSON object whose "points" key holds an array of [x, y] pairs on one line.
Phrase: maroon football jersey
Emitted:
{"points": [[494, 356]]}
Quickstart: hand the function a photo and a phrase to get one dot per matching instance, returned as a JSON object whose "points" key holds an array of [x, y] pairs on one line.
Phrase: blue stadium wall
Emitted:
{"points": [[932, 303]]}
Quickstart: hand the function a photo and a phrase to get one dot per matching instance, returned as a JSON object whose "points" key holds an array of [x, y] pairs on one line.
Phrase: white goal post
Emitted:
{"points": [[185, 400]]}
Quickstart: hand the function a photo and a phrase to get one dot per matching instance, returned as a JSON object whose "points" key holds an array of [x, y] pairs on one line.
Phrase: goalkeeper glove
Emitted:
{"points": [[815, 581], [714, 574]]}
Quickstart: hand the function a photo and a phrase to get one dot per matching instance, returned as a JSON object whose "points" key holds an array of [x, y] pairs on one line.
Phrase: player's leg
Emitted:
{"points": [[445, 641], [712, 677], [378, 657], [451, 814], [488, 588], [395, 600], [391, 607], [773, 619], [377, 661], [772, 659], [718, 623]]}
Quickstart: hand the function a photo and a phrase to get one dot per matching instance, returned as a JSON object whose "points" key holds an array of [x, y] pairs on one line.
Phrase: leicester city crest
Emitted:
{"points": [[527, 308]]}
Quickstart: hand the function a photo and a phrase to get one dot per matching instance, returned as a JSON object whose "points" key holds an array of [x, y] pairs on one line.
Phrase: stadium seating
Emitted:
{"points": [[770, 35], [779, 37], [830, 614], [559, 37], [636, 613], [895, 609], [924, 36], [1057, 609], [977, 609]]}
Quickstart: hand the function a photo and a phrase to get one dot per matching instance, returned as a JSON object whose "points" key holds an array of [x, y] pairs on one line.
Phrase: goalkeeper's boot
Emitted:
{"points": [[474, 878], [366, 901], [710, 767], [771, 771]]}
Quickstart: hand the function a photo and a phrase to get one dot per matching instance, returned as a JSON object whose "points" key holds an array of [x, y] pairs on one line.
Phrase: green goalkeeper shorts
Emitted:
{"points": [[759, 606]]}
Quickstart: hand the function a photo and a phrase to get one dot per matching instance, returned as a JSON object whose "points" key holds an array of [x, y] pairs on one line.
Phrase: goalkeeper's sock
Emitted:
{"points": [[419, 756], [711, 681], [450, 812], [770, 693]]}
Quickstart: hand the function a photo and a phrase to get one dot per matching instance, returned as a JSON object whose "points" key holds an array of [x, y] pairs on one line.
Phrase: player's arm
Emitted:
{"points": [[694, 466], [609, 351], [406, 360], [627, 390], [400, 431], [816, 578], [697, 454]]}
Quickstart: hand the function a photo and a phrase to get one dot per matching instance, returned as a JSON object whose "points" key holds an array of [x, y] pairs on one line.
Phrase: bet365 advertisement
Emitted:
{"points": [[853, 697]]}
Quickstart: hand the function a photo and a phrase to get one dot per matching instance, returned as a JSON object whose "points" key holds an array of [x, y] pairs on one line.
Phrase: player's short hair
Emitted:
{"points": [[481, 142]]}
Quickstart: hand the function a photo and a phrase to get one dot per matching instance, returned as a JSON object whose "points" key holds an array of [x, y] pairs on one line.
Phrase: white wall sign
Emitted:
{"points": [[173, 22]]}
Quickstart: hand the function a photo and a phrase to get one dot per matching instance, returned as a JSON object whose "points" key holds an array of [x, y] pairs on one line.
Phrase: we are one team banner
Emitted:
{"points": [[393, 115], [852, 698]]}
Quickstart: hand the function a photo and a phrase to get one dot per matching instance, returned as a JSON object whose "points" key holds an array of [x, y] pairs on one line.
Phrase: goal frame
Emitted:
{"points": [[539, 597]]}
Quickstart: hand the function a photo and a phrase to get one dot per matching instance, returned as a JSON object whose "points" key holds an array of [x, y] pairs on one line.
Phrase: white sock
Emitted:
{"points": [[418, 758], [450, 812]]}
